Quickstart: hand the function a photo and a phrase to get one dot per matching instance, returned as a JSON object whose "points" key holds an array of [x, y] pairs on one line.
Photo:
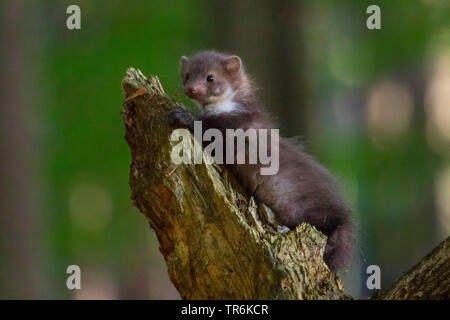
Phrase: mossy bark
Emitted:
{"points": [[217, 242]]}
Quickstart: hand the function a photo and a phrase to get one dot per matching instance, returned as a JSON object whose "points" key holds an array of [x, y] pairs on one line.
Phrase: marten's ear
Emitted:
{"points": [[232, 65], [183, 63]]}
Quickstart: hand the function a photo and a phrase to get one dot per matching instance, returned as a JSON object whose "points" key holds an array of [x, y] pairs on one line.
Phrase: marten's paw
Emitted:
{"points": [[181, 117]]}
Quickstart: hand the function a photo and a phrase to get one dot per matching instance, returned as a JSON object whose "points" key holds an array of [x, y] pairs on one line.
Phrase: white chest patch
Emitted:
{"points": [[225, 105]]}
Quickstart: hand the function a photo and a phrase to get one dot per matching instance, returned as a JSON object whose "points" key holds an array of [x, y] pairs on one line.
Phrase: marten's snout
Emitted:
{"points": [[194, 92], [191, 92]]}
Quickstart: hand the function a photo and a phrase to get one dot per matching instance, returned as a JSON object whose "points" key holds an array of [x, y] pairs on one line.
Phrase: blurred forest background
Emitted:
{"points": [[372, 105]]}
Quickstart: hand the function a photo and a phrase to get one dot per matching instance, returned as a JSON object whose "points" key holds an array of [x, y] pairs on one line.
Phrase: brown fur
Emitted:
{"points": [[302, 190]]}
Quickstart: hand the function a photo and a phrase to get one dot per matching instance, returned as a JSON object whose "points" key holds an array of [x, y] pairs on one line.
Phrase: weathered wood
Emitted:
{"points": [[429, 279]]}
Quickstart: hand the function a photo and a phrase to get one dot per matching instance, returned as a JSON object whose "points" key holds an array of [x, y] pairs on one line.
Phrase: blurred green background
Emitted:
{"points": [[372, 105]]}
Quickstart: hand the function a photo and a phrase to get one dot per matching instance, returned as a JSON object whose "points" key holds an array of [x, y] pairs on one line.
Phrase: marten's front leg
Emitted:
{"points": [[182, 117]]}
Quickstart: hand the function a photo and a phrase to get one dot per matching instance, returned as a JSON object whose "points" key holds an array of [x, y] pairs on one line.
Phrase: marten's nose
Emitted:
{"points": [[191, 92]]}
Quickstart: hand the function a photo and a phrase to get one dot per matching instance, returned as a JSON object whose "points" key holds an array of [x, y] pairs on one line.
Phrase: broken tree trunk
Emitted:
{"points": [[217, 242]]}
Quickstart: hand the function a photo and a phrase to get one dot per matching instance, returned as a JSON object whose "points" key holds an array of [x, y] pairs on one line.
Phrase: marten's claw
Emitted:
{"points": [[181, 117]]}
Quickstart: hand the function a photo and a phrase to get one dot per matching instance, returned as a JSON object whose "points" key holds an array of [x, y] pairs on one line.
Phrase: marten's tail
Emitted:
{"points": [[339, 246]]}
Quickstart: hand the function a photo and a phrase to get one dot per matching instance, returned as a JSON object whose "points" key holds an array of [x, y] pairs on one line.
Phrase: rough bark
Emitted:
{"points": [[217, 242], [429, 279]]}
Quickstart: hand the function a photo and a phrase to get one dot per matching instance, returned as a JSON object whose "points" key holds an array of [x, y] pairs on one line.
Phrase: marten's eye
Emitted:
{"points": [[186, 76], [210, 78]]}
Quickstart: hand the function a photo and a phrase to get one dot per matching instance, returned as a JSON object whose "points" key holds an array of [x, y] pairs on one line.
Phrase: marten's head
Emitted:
{"points": [[212, 79]]}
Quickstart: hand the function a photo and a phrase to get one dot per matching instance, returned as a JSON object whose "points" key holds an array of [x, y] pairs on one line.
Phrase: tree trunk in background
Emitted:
{"points": [[19, 210], [270, 43]]}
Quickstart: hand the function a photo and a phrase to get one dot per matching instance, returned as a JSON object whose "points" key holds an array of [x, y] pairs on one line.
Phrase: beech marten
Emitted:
{"points": [[302, 190]]}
